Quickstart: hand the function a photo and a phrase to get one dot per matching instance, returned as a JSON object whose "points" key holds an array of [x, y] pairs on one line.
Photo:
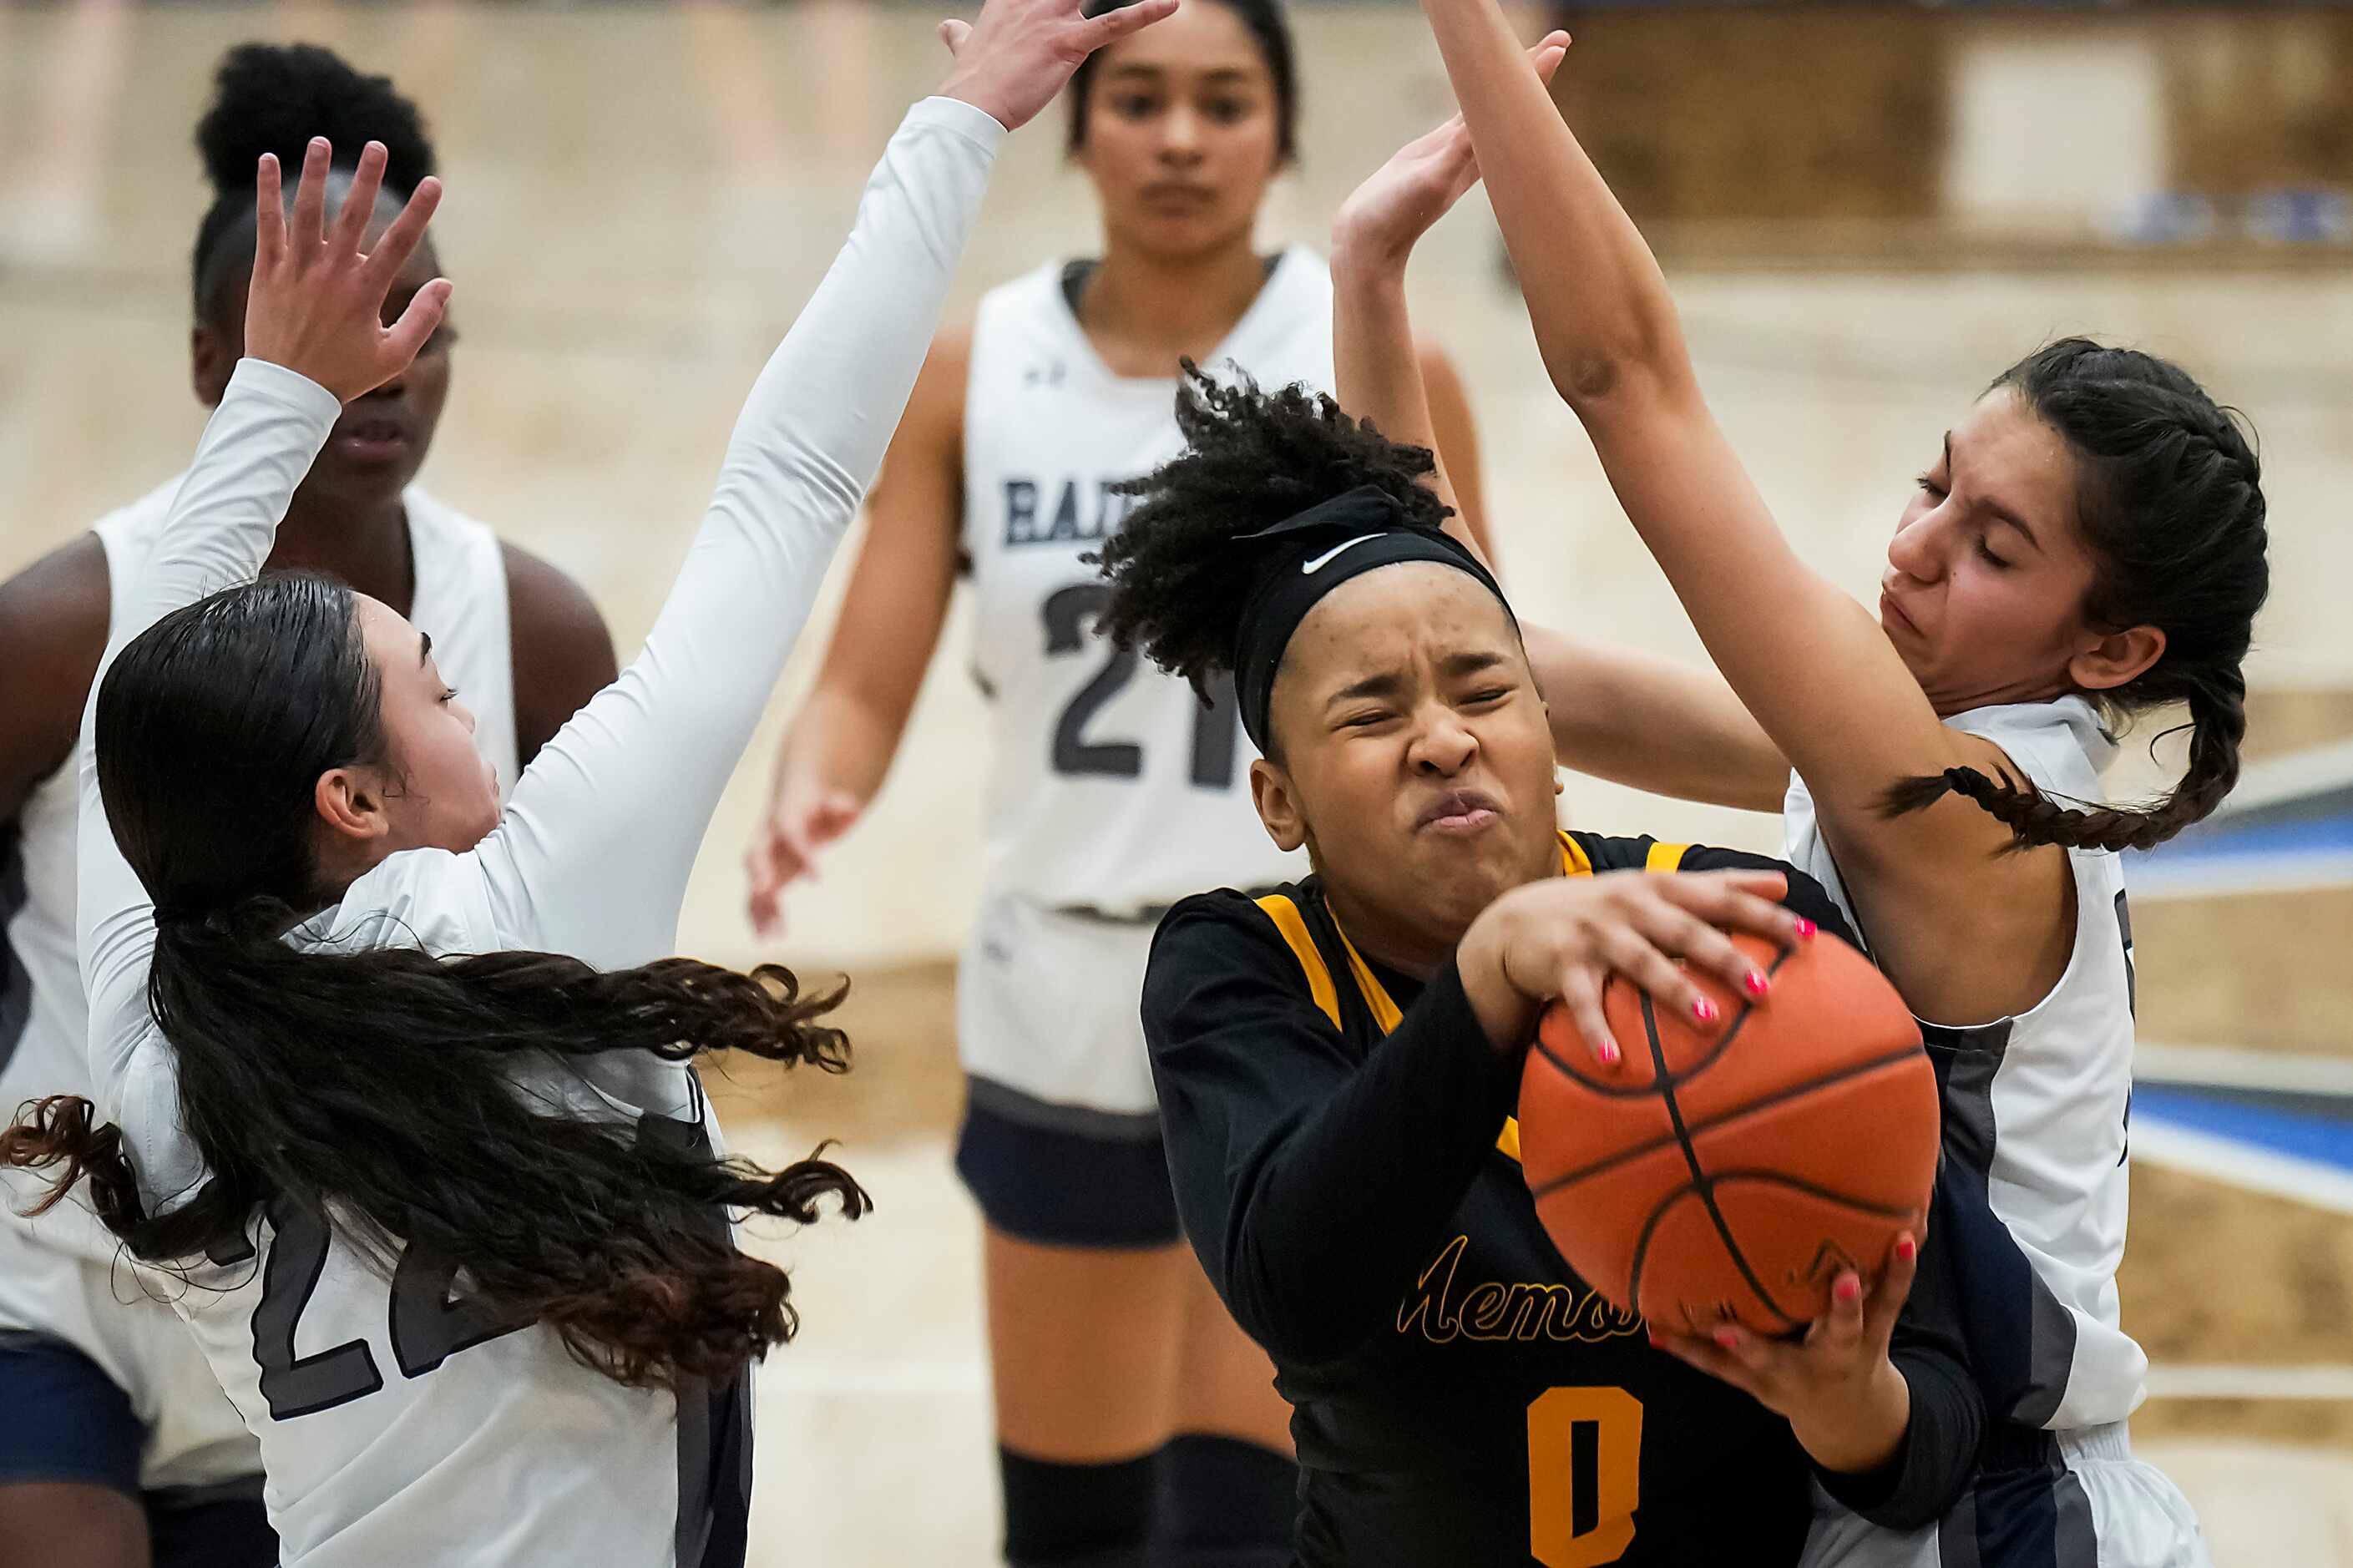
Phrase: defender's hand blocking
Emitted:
{"points": [[1011, 63], [1386, 215], [317, 302]]}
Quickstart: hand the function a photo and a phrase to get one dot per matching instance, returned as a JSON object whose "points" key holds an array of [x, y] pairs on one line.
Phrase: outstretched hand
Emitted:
{"points": [[1400, 201], [1012, 62], [1845, 1400], [317, 302]]}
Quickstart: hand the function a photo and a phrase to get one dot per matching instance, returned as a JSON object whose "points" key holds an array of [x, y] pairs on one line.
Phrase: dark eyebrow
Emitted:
{"points": [[1388, 683], [424, 648], [1461, 664], [2001, 513]]}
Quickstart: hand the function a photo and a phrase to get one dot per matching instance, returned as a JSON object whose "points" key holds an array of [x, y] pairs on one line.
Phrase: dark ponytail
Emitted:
{"points": [[458, 1108], [1251, 459], [2172, 510], [273, 98]]}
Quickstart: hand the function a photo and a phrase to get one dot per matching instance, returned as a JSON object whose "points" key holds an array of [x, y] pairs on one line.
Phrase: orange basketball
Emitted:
{"points": [[1732, 1172]]}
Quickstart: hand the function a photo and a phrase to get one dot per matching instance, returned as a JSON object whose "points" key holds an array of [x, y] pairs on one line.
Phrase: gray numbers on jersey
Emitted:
{"points": [[302, 1386], [427, 1326], [1070, 615]]}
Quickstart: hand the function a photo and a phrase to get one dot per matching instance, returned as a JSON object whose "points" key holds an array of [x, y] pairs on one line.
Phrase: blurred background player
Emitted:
{"points": [[1130, 1414], [117, 1444]]}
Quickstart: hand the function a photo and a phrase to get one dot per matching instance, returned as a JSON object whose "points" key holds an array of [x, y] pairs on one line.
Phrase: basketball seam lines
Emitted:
{"points": [[1700, 1183], [1726, 1120], [1665, 1081]]}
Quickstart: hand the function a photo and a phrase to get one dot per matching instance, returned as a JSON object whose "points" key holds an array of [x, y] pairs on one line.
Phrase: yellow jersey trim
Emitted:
{"points": [[1665, 856], [1287, 920]]}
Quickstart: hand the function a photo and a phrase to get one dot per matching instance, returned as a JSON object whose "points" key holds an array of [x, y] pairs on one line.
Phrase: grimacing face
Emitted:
{"points": [[1417, 764], [1987, 574]]}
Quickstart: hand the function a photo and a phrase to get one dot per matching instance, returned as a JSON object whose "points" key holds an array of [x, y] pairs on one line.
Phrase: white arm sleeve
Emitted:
{"points": [[593, 855], [260, 443]]}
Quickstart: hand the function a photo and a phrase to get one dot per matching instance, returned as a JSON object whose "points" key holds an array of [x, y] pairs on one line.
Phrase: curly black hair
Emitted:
{"points": [[1251, 459], [273, 98]]}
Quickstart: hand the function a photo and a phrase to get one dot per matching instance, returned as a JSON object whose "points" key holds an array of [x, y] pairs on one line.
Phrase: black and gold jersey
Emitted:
{"points": [[1345, 1165]]}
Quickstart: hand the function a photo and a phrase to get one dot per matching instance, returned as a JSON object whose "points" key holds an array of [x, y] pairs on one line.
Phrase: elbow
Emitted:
{"points": [[1599, 380]]}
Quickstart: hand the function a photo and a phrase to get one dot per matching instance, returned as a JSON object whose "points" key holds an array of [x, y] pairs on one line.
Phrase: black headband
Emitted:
{"points": [[1308, 555]]}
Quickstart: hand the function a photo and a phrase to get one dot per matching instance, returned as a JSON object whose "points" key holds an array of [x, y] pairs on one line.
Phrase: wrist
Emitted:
{"points": [[1367, 261], [1863, 1434], [1505, 1015]]}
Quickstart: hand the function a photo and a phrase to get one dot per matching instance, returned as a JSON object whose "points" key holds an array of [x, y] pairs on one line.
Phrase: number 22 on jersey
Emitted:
{"points": [[1585, 1471]]}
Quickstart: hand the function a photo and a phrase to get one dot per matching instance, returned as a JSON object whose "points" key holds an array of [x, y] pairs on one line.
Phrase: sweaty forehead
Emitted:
{"points": [[1390, 616]]}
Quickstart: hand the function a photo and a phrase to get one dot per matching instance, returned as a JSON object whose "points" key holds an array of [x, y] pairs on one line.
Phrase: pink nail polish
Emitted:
{"points": [[1755, 982], [1705, 1011], [1848, 1289], [1907, 1250], [1728, 1338], [1805, 930], [1609, 1053]]}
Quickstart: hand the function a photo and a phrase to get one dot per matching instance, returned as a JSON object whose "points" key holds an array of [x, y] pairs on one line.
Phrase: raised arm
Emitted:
{"points": [[592, 855], [1634, 718], [1807, 661], [314, 339]]}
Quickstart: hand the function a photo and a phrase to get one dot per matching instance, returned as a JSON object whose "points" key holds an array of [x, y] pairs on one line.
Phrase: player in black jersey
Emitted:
{"points": [[1337, 1061]]}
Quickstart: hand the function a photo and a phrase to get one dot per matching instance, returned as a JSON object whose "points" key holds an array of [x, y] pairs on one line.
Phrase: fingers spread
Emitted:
{"points": [[397, 243]]}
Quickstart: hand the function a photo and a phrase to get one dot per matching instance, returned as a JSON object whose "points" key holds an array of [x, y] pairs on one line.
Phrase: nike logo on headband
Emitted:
{"points": [[1308, 568]]}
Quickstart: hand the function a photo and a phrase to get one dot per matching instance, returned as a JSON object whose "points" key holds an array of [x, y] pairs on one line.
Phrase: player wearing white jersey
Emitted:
{"points": [[120, 1449], [2089, 544], [1132, 1417], [443, 1187]]}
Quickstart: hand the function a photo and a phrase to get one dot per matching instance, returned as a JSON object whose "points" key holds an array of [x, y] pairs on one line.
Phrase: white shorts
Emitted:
{"points": [[119, 1315], [1049, 1003], [2094, 1506]]}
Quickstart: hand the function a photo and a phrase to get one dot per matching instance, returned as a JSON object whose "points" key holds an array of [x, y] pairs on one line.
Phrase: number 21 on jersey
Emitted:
{"points": [[1070, 615], [1585, 1473]]}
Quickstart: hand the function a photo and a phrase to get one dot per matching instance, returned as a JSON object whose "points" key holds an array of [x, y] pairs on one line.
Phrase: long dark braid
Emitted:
{"points": [[2173, 514]]}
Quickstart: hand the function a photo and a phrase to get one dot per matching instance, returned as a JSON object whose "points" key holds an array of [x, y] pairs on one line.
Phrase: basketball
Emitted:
{"points": [[1732, 1173]]}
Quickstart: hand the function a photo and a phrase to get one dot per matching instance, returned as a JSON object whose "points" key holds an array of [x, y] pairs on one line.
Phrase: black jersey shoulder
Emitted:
{"points": [[1282, 936], [1806, 896]]}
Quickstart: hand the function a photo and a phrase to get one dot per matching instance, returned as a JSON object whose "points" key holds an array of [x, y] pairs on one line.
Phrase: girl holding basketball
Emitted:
{"points": [[1131, 1415], [2088, 543], [120, 1451], [398, 1078], [1334, 1059]]}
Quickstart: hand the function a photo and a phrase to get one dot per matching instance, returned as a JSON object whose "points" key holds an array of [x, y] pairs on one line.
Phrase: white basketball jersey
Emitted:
{"points": [[372, 1447], [1114, 788], [461, 600], [2035, 1116]]}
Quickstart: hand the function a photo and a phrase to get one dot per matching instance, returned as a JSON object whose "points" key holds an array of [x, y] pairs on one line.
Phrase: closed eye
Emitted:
{"points": [[1985, 553], [1491, 694], [449, 694], [1929, 485]]}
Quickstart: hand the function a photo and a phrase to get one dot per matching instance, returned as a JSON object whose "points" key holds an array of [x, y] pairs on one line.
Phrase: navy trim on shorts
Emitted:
{"points": [[1065, 1176], [67, 1420]]}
